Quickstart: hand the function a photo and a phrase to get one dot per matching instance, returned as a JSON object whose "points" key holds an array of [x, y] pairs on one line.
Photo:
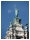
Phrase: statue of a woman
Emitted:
{"points": [[16, 12]]}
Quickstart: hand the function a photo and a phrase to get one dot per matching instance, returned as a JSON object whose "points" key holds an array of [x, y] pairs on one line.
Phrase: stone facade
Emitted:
{"points": [[16, 29]]}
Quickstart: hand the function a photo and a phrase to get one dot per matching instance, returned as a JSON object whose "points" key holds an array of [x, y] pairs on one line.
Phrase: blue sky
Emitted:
{"points": [[7, 14]]}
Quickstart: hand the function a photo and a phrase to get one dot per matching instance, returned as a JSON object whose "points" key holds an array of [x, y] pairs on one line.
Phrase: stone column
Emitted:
{"points": [[14, 34], [26, 36], [11, 36]]}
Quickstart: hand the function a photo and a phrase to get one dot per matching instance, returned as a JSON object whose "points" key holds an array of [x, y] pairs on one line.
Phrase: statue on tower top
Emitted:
{"points": [[16, 11]]}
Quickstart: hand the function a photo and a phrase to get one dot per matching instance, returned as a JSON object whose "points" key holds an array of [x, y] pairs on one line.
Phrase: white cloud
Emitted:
{"points": [[9, 11]]}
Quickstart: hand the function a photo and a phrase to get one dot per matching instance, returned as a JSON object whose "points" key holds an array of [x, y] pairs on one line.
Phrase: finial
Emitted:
{"points": [[26, 24]]}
